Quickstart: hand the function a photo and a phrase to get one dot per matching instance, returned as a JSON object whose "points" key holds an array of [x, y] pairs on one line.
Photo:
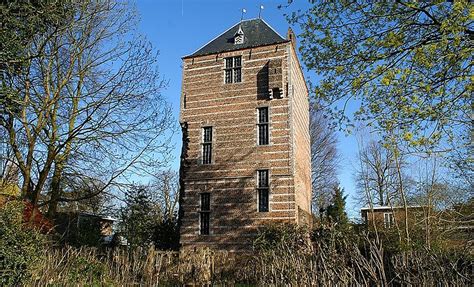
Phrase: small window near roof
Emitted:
{"points": [[239, 37], [233, 70]]}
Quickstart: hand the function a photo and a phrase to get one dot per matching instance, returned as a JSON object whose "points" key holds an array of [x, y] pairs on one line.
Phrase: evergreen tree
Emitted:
{"points": [[336, 212], [138, 216], [166, 234]]}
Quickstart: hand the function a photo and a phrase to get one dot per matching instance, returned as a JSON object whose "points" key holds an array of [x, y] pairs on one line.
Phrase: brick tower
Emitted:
{"points": [[246, 149]]}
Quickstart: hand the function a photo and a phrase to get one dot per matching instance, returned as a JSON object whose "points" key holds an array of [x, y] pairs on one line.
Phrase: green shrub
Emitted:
{"points": [[275, 236], [21, 247]]}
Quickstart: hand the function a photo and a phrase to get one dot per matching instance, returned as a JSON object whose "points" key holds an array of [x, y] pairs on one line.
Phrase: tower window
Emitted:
{"points": [[233, 70], [207, 145], [205, 201], [204, 214], [263, 190], [263, 126]]}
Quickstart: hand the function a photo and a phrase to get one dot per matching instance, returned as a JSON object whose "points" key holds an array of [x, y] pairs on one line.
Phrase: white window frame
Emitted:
{"points": [[211, 142], [233, 68], [268, 123], [388, 219], [257, 190]]}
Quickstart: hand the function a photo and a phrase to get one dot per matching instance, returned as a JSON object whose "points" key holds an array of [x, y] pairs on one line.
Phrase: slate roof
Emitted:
{"points": [[256, 33]]}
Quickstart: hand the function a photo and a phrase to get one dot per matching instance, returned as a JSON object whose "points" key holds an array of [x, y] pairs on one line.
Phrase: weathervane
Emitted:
{"points": [[260, 11], [242, 16]]}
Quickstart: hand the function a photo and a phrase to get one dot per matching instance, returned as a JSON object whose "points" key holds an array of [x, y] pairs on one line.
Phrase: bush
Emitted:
{"points": [[21, 246], [275, 236], [166, 235]]}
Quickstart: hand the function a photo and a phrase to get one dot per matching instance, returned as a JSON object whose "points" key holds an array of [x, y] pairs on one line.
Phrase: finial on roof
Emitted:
{"points": [[242, 16], [260, 12]]}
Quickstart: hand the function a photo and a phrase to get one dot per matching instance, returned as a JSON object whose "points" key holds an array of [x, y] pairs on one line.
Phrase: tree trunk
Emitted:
{"points": [[55, 192]]}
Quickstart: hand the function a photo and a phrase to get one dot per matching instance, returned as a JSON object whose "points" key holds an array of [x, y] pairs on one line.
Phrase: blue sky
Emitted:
{"points": [[179, 27]]}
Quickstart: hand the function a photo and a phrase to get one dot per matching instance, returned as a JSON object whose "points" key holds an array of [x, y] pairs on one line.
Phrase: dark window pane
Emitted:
{"points": [[237, 75], [263, 191], [207, 153], [263, 199], [237, 61], [263, 127], [276, 92], [263, 134], [207, 145], [263, 178], [228, 63], [233, 71], [228, 76], [204, 223], [207, 131], [263, 115], [205, 201]]}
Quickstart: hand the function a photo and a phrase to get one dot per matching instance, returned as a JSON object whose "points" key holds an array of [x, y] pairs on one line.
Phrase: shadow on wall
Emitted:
{"points": [[262, 82], [233, 216], [270, 80]]}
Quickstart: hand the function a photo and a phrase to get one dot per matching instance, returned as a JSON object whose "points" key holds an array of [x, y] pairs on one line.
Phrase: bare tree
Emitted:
{"points": [[440, 193], [376, 175], [91, 107], [81, 187], [166, 189], [324, 159]]}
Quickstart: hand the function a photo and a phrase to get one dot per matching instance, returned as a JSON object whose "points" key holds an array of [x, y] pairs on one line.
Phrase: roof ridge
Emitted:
{"points": [[251, 19]]}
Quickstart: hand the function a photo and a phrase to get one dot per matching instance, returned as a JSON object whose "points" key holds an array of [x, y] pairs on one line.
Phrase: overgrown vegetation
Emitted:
{"points": [[283, 255], [346, 258], [81, 113], [21, 245]]}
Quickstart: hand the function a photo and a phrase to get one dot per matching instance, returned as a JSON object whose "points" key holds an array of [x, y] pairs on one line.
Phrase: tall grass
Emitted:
{"points": [[281, 257], [86, 266], [324, 263], [345, 263]]}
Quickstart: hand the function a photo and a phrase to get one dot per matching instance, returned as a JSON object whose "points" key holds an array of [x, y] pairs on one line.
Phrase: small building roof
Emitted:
{"points": [[256, 33], [378, 207], [100, 216]]}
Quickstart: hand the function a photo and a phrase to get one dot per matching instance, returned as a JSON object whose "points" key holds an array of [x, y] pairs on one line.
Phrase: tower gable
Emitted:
{"points": [[257, 33]]}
